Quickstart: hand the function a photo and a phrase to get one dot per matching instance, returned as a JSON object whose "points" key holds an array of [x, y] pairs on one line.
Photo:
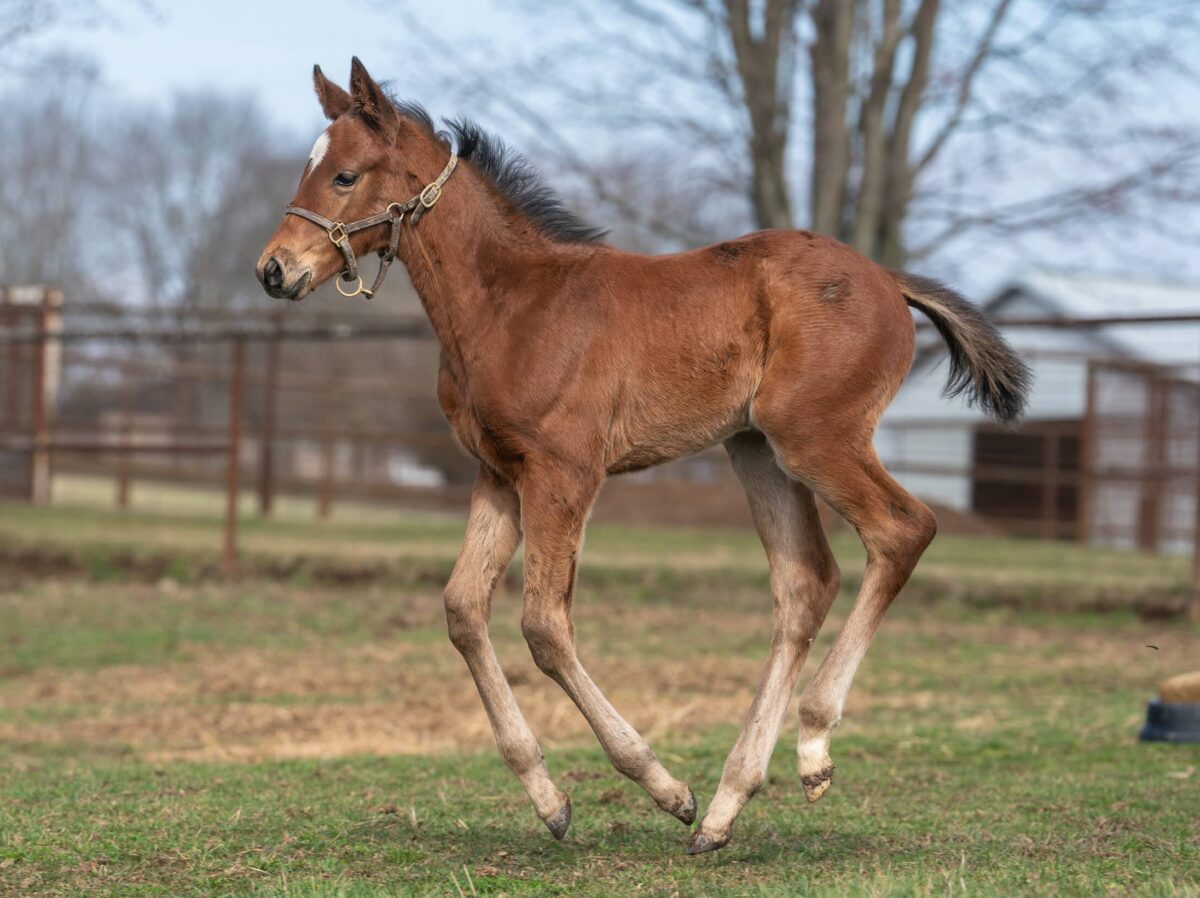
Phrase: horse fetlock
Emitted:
{"points": [[524, 759], [672, 795]]}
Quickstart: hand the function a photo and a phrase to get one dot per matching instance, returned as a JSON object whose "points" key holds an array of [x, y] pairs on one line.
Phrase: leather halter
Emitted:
{"points": [[339, 232]]}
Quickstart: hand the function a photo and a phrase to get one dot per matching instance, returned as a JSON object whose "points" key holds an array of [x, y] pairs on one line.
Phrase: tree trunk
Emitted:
{"points": [[766, 67], [830, 52], [873, 136], [890, 248]]}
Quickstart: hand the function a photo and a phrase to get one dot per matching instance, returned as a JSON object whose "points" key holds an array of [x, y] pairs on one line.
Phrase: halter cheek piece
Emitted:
{"points": [[339, 232]]}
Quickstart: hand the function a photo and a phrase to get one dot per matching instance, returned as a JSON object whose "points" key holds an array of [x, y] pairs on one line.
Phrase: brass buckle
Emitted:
{"points": [[357, 290], [430, 195], [337, 233]]}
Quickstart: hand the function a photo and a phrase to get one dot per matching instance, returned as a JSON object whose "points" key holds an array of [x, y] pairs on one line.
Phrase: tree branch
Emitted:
{"points": [[872, 182], [833, 21], [966, 84]]}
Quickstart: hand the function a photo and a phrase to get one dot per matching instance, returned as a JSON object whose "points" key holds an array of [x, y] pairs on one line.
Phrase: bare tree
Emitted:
{"points": [[172, 204], [193, 192], [925, 122], [21, 21], [48, 151]]}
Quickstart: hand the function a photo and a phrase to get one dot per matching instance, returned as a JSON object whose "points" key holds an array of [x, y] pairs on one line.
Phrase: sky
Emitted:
{"points": [[267, 47]]}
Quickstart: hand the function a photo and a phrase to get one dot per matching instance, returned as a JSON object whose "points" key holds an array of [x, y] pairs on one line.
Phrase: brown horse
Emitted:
{"points": [[565, 360]]}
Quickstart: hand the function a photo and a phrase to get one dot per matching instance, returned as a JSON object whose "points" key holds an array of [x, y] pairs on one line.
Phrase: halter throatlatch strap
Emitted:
{"points": [[339, 232]]}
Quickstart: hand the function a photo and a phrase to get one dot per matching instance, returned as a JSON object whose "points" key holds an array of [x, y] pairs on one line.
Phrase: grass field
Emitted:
{"points": [[308, 731]]}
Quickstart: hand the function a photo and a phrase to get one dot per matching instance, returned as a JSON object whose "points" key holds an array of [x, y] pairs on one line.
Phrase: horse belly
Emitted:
{"points": [[688, 419]]}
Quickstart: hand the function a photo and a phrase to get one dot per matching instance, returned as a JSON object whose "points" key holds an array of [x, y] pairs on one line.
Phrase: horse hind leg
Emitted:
{"points": [[804, 582], [895, 528]]}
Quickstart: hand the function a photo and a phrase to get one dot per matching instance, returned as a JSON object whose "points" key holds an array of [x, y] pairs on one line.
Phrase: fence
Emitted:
{"points": [[299, 409], [328, 410]]}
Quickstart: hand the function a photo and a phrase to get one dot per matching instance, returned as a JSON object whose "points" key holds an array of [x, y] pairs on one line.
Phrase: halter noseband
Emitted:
{"points": [[339, 232]]}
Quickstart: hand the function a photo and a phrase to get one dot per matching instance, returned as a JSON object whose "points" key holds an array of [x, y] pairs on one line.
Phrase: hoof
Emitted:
{"points": [[815, 784], [686, 812], [702, 842], [560, 821]]}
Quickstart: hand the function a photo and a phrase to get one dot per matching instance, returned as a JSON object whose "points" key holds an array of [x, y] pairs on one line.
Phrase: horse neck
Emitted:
{"points": [[447, 252]]}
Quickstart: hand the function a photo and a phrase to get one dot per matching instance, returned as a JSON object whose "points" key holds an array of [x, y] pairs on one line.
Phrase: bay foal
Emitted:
{"points": [[565, 360]]}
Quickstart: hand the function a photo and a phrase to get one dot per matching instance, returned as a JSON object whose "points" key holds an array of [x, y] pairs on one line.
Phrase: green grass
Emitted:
{"points": [[988, 748], [179, 535], [937, 813]]}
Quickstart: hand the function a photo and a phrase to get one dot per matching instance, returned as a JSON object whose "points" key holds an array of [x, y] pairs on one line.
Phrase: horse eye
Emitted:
{"points": [[345, 178]]}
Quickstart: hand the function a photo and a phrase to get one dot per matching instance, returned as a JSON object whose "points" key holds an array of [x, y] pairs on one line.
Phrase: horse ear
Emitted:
{"points": [[370, 100], [334, 100]]}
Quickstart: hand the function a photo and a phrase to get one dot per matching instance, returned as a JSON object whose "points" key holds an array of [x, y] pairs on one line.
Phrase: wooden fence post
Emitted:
{"points": [[1050, 483], [125, 460], [1149, 523], [229, 558], [44, 387], [1085, 483], [12, 378], [325, 488], [266, 442], [1193, 605]]}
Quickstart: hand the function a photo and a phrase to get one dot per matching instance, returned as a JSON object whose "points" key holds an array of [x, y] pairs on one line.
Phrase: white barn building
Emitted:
{"points": [[1030, 479]]}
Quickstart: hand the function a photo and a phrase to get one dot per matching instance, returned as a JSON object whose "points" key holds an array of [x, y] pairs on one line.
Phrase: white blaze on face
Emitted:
{"points": [[318, 151]]}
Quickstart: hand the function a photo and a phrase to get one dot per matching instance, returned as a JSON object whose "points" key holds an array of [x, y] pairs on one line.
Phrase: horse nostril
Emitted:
{"points": [[273, 274]]}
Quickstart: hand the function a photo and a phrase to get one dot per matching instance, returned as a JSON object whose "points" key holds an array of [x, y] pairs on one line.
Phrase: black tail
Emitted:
{"points": [[982, 364]]}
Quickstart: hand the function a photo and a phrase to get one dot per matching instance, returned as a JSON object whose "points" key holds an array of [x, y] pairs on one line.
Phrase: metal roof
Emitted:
{"points": [[1089, 295]]}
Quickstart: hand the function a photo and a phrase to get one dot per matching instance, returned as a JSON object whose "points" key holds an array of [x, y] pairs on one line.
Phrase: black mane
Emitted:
{"points": [[512, 175]]}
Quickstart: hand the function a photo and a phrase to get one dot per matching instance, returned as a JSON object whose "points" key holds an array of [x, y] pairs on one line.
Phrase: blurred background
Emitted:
{"points": [[177, 449], [1040, 155]]}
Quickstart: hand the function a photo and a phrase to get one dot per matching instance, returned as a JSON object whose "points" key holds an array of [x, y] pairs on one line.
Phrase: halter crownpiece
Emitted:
{"points": [[339, 232]]}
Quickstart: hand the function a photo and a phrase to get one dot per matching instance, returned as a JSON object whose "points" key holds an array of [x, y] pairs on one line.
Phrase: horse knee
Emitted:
{"points": [[827, 580], [465, 620], [520, 755], [549, 641], [745, 774]]}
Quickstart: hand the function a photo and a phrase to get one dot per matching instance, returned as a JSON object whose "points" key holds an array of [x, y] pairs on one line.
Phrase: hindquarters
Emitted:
{"points": [[841, 341]]}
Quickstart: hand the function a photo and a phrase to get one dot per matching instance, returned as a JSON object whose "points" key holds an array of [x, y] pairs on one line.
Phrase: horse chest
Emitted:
{"points": [[480, 431]]}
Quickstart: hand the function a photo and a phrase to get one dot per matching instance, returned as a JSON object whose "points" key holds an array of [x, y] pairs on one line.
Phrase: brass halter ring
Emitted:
{"points": [[357, 290]]}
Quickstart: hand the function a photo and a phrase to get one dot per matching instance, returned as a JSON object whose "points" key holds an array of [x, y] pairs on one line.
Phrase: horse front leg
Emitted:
{"points": [[493, 534], [554, 509]]}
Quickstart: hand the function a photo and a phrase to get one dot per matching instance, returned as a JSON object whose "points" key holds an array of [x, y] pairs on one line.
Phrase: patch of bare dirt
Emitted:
{"points": [[252, 705], [414, 696]]}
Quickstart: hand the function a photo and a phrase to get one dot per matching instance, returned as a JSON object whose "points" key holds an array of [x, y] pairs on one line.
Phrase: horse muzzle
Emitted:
{"points": [[282, 279]]}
